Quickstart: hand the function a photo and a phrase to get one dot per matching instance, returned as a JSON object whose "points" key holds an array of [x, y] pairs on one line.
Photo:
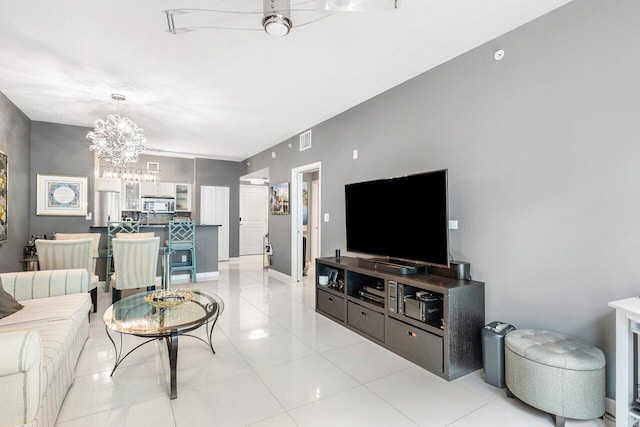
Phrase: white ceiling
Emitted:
{"points": [[222, 93]]}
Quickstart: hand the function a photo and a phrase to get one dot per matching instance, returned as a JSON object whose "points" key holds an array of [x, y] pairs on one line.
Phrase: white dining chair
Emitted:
{"points": [[69, 254], [135, 264]]}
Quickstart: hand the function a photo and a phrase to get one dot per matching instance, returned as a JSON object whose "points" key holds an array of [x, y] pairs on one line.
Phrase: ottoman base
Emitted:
{"points": [[564, 393]]}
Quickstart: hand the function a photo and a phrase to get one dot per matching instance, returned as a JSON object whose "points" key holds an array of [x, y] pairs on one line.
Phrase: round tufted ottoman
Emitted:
{"points": [[556, 373]]}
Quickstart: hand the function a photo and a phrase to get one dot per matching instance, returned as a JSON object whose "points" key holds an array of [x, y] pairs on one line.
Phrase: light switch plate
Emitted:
{"points": [[326, 217], [453, 224], [355, 154]]}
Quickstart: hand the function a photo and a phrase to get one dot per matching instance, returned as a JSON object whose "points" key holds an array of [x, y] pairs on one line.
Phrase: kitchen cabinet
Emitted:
{"points": [[130, 196], [108, 184], [183, 197], [158, 189]]}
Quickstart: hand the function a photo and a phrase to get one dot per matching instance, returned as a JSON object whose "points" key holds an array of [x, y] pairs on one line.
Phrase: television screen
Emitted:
{"points": [[404, 218]]}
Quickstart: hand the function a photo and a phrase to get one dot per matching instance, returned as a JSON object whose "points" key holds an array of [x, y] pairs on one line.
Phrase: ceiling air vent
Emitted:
{"points": [[305, 140]]}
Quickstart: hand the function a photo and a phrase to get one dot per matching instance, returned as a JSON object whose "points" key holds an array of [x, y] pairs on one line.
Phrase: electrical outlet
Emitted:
{"points": [[184, 258]]}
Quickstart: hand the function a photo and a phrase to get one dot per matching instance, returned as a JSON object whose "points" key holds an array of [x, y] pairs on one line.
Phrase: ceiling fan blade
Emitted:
{"points": [[185, 20], [249, 14], [357, 5]]}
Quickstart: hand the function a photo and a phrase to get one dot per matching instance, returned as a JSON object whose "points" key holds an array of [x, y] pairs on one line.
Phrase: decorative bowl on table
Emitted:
{"points": [[169, 297]]}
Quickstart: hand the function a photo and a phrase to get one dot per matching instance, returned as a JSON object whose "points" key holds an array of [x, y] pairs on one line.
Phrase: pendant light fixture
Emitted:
{"points": [[117, 139]]}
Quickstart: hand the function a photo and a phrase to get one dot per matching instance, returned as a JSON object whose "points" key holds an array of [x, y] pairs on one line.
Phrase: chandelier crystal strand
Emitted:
{"points": [[117, 139]]}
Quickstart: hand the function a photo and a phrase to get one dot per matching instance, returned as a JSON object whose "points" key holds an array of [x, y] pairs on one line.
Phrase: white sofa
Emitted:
{"points": [[40, 344]]}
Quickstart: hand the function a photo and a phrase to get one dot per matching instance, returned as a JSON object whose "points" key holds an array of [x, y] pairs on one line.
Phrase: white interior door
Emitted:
{"points": [[253, 218], [214, 209]]}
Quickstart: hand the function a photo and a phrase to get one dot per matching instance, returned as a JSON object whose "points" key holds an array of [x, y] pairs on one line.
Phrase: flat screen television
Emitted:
{"points": [[404, 218]]}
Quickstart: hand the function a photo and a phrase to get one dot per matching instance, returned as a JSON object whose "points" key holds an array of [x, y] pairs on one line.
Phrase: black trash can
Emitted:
{"points": [[493, 352]]}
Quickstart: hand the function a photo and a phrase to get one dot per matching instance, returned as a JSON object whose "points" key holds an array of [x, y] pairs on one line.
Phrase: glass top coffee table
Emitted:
{"points": [[157, 319]]}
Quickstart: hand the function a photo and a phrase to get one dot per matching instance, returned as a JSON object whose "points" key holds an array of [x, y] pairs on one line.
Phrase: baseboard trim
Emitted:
{"points": [[177, 279], [610, 406], [280, 276], [609, 412]]}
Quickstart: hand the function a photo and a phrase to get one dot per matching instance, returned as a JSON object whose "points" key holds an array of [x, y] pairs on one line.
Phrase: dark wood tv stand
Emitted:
{"points": [[449, 346]]}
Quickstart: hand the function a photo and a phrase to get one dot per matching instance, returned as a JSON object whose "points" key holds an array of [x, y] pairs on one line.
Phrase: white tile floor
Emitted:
{"points": [[278, 363]]}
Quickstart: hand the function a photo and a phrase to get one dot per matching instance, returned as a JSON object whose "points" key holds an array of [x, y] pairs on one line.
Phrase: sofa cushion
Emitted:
{"points": [[8, 304], [26, 285], [50, 309]]}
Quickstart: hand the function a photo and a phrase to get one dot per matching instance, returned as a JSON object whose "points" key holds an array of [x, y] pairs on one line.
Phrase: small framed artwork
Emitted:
{"points": [[61, 195], [305, 205], [4, 189], [153, 167], [279, 199]]}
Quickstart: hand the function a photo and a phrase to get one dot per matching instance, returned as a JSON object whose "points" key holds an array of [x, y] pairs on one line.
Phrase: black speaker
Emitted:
{"points": [[457, 270]]}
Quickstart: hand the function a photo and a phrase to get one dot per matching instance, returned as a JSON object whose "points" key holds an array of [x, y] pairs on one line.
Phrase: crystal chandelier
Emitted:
{"points": [[128, 174], [117, 139]]}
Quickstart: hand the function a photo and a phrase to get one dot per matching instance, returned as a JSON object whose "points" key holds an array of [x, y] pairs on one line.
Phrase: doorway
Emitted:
{"points": [[299, 234]]}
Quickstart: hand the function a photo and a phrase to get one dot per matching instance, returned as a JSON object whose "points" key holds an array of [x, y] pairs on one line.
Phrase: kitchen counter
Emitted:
{"points": [[98, 227], [206, 247]]}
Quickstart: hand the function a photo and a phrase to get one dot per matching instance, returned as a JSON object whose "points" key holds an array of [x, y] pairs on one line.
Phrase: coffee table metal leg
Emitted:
{"points": [[209, 329], [115, 348], [119, 357], [166, 270], [172, 346]]}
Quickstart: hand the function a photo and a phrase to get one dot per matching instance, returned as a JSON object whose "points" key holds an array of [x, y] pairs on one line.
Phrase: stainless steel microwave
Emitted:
{"points": [[159, 204]]}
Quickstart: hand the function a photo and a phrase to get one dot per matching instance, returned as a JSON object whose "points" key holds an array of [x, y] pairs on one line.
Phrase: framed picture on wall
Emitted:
{"points": [[305, 205], [279, 199], [4, 189], [61, 195]]}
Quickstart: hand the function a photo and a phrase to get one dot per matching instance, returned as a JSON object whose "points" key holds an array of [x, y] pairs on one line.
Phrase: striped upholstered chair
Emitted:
{"points": [[136, 263], [69, 254]]}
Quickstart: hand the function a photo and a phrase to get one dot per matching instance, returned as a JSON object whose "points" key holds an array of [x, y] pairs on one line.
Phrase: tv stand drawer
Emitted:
{"points": [[368, 321], [417, 345], [331, 304]]}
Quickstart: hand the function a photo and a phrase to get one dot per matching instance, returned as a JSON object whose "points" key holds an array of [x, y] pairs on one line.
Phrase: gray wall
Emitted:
{"points": [[59, 150], [15, 142], [221, 173], [543, 153], [172, 169]]}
